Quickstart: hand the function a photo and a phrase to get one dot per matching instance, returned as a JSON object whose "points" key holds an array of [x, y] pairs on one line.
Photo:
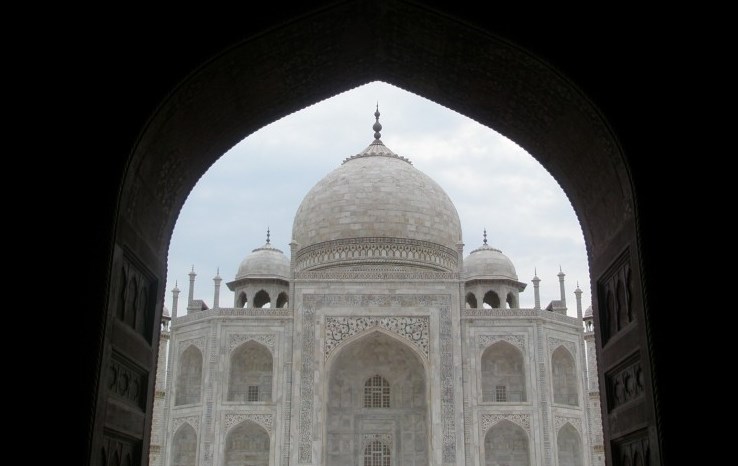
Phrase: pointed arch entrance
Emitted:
{"points": [[465, 68], [377, 403]]}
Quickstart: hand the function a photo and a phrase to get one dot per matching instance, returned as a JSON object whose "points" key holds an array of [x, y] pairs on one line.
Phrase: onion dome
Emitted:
{"points": [[488, 263], [376, 207], [265, 262]]}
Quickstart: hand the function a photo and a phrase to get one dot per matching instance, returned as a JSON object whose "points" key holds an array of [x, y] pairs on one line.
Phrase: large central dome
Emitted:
{"points": [[376, 207]]}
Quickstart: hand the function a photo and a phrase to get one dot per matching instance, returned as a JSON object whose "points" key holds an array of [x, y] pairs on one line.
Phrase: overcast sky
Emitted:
{"points": [[494, 184]]}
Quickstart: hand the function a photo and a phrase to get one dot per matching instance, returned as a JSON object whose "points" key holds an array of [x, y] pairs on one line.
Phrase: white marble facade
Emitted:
{"points": [[376, 343]]}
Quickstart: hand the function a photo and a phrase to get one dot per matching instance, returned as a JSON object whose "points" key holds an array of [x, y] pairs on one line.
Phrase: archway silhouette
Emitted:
{"points": [[480, 75]]}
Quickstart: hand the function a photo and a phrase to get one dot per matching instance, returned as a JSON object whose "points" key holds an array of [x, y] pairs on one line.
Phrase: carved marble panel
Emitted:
{"points": [[554, 343], [560, 421], [519, 341], [265, 420], [412, 329], [265, 339], [488, 420], [198, 342], [305, 448], [385, 438], [193, 421]]}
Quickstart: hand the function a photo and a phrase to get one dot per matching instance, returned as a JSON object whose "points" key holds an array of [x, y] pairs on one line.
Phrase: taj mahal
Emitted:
{"points": [[376, 341]]}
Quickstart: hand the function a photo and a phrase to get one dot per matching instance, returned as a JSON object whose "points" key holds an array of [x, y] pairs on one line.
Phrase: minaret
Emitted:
{"points": [[191, 293], [536, 290], [578, 294], [158, 418], [561, 286], [175, 299], [216, 297]]}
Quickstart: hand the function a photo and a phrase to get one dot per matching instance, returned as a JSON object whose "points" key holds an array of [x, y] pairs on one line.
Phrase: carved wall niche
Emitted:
{"points": [[632, 450], [625, 382], [120, 451], [127, 381], [135, 302], [615, 297]]}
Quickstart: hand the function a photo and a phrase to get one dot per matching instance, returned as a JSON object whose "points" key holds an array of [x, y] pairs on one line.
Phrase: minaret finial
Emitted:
{"points": [[267, 235], [377, 126], [485, 236]]}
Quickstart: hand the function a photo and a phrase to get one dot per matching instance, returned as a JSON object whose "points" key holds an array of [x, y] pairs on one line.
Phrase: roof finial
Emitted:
{"points": [[267, 235], [377, 126], [485, 236]]}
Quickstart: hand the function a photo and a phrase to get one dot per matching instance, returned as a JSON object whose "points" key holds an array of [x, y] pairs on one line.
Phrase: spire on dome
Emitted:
{"points": [[485, 236], [267, 235], [377, 126]]}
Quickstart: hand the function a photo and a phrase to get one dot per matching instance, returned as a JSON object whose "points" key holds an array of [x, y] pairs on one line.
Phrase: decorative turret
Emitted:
{"points": [[263, 278], [578, 294], [216, 295], [536, 290], [490, 278], [175, 300]]}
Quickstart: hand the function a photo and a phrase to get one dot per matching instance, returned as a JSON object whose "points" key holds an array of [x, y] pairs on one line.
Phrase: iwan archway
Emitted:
{"points": [[330, 51]]}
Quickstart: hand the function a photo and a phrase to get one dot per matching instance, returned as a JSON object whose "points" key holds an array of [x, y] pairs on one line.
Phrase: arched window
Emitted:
{"points": [[511, 302], [250, 376], [503, 374], [376, 392], [506, 443], [471, 301], [491, 299], [261, 299], [569, 446], [564, 377], [184, 446], [377, 453], [189, 377], [282, 300], [242, 300], [247, 444]]}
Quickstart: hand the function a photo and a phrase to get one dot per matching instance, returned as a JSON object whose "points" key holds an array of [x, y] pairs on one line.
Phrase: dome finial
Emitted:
{"points": [[377, 126], [267, 235], [485, 236]]}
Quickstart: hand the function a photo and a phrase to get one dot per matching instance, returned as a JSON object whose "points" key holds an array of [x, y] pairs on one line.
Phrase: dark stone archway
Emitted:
{"points": [[194, 101]]}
